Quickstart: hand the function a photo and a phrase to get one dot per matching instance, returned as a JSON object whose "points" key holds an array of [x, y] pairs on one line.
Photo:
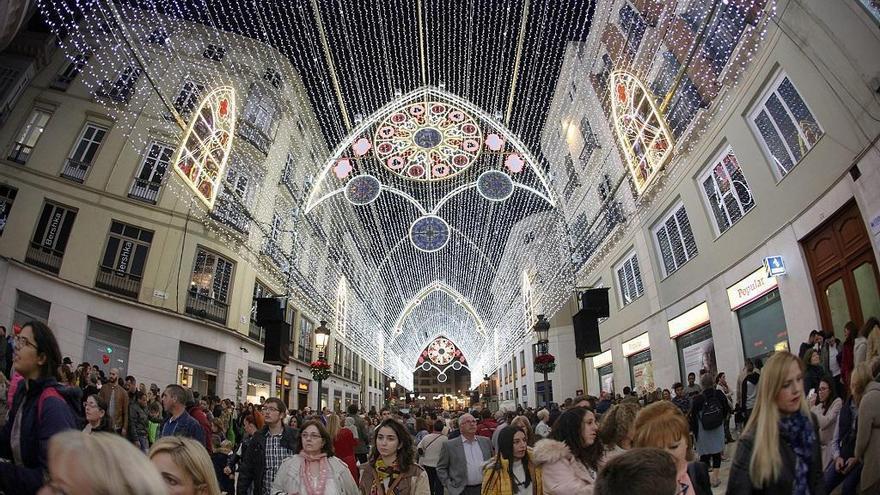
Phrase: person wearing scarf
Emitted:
{"points": [[779, 450], [391, 469], [315, 470]]}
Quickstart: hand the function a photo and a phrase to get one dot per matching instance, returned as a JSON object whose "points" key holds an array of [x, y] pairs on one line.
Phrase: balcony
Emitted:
{"points": [[75, 170], [254, 135], [124, 284], [256, 332], [346, 372], [145, 191], [45, 258], [337, 369], [114, 91], [202, 306], [20, 153], [273, 250], [61, 83], [226, 214]]}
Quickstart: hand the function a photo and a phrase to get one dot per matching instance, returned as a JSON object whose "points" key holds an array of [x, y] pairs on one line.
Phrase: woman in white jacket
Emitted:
{"points": [[572, 455], [315, 470]]}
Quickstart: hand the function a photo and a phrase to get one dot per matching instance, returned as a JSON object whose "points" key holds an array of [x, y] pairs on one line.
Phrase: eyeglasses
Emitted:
{"points": [[271, 409], [22, 341]]}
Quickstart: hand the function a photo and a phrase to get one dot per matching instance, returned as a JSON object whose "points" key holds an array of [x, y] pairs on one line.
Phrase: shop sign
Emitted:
{"points": [[690, 320], [637, 344], [774, 265], [304, 386], [750, 288], [602, 359]]}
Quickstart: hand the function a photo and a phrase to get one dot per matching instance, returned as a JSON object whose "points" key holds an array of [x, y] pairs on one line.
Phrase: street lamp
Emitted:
{"points": [[542, 330], [320, 373]]}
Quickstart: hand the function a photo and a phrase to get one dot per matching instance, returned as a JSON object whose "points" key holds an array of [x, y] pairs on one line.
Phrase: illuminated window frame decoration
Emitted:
{"points": [[528, 301], [640, 127], [456, 361], [200, 160]]}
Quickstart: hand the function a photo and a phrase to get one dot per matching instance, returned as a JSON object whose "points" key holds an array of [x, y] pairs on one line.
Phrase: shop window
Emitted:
{"points": [[629, 280], [77, 165], [726, 191], [696, 352], [762, 325], [28, 136], [148, 181], [71, 70], [785, 125], [50, 238], [641, 371], [125, 256], [606, 379], [675, 240]]}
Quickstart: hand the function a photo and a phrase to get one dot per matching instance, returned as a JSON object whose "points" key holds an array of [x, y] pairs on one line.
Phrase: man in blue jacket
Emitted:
{"points": [[179, 423]]}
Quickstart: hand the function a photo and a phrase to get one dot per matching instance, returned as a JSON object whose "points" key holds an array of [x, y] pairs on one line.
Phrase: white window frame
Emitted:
{"points": [[661, 224], [761, 105], [628, 260], [27, 130], [707, 172]]}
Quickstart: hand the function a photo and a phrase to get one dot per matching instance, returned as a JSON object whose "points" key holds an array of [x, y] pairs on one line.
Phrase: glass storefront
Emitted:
{"points": [[606, 378], [197, 368], [762, 325], [258, 385], [696, 352], [641, 372]]}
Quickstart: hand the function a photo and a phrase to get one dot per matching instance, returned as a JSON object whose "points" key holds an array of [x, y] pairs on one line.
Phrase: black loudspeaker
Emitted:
{"points": [[586, 334], [269, 310], [276, 348], [596, 300]]}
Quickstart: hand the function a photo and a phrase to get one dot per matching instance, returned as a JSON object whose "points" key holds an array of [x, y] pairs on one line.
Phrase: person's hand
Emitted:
{"points": [[850, 464], [839, 464], [227, 471]]}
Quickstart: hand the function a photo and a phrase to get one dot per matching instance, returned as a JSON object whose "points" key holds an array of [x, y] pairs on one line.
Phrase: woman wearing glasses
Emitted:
{"points": [[97, 418], [315, 470], [38, 410], [778, 451]]}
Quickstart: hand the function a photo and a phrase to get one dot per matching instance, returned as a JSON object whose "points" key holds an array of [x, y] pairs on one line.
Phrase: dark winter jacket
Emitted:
{"points": [[55, 417], [253, 458], [740, 483], [199, 415], [138, 420]]}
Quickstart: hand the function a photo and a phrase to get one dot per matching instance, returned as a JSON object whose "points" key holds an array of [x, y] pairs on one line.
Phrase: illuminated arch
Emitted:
{"points": [[200, 159], [640, 127], [437, 286]]}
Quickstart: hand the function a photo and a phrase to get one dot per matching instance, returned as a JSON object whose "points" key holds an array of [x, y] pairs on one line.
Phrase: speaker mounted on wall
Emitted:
{"points": [[596, 300], [586, 334], [276, 347]]}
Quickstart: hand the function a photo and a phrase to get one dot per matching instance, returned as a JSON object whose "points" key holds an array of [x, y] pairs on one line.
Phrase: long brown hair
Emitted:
{"points": [[567, 429], [404, 439]]}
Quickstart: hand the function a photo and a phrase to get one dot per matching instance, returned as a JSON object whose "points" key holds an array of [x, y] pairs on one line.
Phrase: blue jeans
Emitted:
{"points": [[850, 480]]}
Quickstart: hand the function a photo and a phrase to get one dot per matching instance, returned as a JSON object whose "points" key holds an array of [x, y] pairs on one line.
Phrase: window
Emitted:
{"points": [[30, 133], [148, 180], [30, 308], [590, 142], [122, 266], [786, 126], [158, 36], [522, 363], [259, 111], [80, 160], [603, 75], [122, 88], [188, 97], [50, 237], [7, 197], [687, 100], [724, 31], [304, 351], [726, 191], [73, 68], [337, 359], [211, 276], [214, 52], [234, 200], [273, 77], [257, 332], [287, 174], [675, 240], [629, 280], [633, 26]]}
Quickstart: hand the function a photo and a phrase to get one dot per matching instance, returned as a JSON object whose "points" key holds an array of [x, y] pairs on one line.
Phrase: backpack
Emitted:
{"points": [[713, 413]]}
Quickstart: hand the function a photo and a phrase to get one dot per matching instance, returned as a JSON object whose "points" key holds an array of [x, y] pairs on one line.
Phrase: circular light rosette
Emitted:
{"points": [[363, 190], [442, 377], [495, 185], [428, 141], [429, 233]]}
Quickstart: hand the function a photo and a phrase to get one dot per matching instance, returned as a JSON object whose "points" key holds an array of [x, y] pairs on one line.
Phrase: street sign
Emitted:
{"points": [[774, 265]]}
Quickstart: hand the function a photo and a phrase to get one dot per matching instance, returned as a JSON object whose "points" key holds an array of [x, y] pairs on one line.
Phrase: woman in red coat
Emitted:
{"points": [[343, 444]]}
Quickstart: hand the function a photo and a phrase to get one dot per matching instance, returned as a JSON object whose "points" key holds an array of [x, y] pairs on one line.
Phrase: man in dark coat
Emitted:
{"points": [[266, 450]]}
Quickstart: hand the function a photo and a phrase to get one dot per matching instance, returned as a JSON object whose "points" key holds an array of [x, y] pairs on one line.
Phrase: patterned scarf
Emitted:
{"points": [[797, 431], [384, 471], [314, 485]]}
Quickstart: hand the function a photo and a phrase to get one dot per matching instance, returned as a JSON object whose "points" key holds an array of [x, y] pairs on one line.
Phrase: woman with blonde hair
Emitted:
{"points": [[523, 424], [185, 466], [617, 429], [779, 450], [99, 464], [662, 425]]}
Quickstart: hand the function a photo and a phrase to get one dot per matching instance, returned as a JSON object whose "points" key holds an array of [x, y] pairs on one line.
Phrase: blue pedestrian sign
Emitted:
{"points": [[774, 266]]}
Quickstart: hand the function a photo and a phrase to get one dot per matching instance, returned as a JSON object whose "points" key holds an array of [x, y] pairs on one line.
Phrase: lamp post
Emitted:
{"points": [[322, 338], [392, 384], [542, 330]]}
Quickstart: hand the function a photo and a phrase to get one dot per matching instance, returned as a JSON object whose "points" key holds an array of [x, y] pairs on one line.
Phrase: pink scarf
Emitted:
{"points": [[311, 485]]}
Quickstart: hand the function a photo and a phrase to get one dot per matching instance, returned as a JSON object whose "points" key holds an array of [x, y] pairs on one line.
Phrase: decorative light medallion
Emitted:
{"points": [[441, 351], [429, 233], [363, 190], [201, 158], [428, 141], [441, 377], [641, 129], [494, 185]]}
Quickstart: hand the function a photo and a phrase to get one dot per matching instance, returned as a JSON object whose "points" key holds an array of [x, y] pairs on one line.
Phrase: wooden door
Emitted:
{"points": [[843, 269]]}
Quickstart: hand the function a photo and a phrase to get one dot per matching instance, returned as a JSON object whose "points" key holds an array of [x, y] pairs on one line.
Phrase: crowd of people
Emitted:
{"points": [[801, 424]]}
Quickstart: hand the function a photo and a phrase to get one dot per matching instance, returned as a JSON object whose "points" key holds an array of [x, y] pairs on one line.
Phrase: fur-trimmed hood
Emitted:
{"points": [[549, 450]]}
